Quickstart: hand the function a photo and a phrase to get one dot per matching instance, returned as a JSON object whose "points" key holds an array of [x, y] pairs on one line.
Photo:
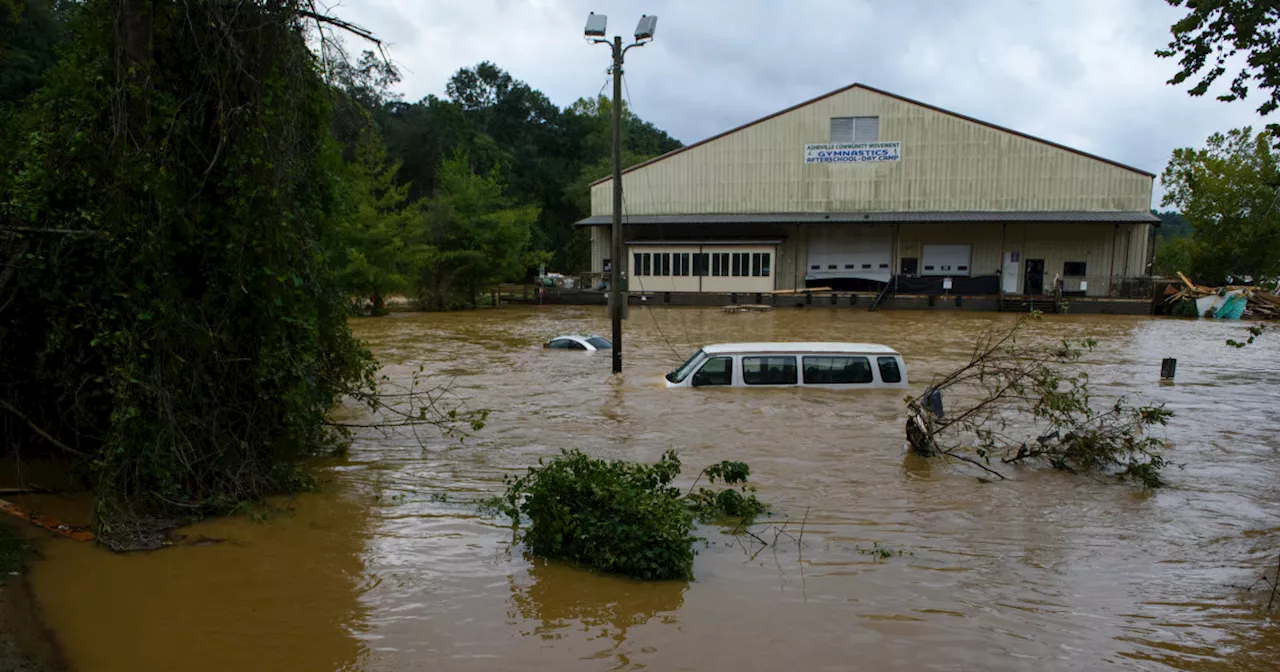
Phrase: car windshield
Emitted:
{"points": [[685, 369], [600, 343]]}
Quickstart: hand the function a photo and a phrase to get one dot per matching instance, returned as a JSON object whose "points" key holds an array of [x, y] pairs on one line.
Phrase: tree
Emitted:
{"points": [[178, 322], [1214, 31], [472, 235], [377, 260], [1228, 193]]}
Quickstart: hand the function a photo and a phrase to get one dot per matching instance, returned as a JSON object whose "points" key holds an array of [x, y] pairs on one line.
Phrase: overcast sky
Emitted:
{"points": [[1078, 72]]}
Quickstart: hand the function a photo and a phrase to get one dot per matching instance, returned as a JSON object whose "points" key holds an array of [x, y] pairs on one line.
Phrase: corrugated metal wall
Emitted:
{"points": [[948, 164]]}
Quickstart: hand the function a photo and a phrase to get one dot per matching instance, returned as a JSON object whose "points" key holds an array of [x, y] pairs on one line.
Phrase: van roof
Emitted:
{"points": [[735, 348]]}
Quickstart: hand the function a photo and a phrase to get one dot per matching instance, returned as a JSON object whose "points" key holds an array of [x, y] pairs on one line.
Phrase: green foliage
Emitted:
{"points": [[878, 552], [1254, 332], [376, 226], [1214, 31], [30, 34], [737, 503], [619, 517], [622, 517], [178, 316], [471, 236], [1228, 193]]}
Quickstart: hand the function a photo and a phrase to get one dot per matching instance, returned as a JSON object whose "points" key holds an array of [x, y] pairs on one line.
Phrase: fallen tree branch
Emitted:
{"points": [[36, 428]]}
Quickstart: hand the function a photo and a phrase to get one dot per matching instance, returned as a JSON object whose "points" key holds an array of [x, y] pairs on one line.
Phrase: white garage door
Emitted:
{"points": [[850, 252], [944, 260]]}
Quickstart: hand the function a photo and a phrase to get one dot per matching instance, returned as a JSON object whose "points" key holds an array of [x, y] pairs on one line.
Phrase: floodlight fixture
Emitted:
{"points": [[595, 25], [645, 28]]}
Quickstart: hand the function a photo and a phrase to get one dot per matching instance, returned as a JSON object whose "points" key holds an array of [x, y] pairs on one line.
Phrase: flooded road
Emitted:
{"points": [[391, 567]]}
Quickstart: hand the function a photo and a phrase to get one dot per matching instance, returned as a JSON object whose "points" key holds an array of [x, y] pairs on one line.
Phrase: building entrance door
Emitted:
{"points": [[1034, 278]]}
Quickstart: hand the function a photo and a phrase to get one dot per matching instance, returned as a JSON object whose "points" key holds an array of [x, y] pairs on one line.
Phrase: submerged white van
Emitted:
{"points": [[839, 366]]}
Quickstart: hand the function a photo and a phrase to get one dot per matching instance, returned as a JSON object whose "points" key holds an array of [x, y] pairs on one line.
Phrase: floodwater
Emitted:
{"points": [[391, 567]]}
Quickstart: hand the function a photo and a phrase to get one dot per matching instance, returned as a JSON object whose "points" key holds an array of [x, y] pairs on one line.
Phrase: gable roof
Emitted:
{"points": [[895, 96]]}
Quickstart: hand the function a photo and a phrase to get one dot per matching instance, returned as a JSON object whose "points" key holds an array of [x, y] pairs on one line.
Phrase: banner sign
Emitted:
{"points": [[853, 152]]}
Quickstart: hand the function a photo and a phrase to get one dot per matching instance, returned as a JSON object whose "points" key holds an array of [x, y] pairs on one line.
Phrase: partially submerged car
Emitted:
{"points": [[590, 342]]}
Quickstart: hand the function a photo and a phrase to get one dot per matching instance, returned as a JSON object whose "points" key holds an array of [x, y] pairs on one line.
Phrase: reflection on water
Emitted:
{"points": [[552, 597], [391, 567]]}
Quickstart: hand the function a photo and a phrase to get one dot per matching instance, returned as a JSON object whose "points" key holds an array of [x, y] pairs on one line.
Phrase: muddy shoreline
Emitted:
{"points": [[26, 645]]}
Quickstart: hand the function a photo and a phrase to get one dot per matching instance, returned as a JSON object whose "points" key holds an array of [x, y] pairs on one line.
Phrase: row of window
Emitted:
{"points": [[781, 370], [727, 264]]}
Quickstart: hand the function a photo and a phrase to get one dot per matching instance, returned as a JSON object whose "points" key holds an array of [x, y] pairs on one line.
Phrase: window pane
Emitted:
{"points": [[1073, 268], [779, 370], [737, 263], [836, 370], [764, 265], [755, 264], [724, 263], [574, 345], [559, 344], [635, 264], [715, 265], [842, 129], [889, 371], [600, 343], [645, 267], [717, 371], [665, 258], [866, 129], [684, 263], [701, 263]]}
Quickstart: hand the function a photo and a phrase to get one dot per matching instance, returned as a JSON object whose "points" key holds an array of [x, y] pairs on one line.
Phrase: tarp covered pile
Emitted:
{"points": [[1229, 303]]}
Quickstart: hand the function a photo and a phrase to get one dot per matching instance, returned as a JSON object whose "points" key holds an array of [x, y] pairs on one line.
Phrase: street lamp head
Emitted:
{"points": [[644, 29], [595, 25]]}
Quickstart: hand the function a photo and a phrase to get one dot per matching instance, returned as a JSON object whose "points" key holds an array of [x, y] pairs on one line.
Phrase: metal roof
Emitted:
{"points": [[1074, 217], [882, 92], [826, 348]]}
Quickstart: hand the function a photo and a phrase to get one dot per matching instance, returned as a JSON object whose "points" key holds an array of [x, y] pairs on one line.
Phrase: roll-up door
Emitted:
{"points": [[850, 252]]}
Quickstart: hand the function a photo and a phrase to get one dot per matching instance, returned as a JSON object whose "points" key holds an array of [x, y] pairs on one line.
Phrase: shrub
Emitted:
{"points": [[620, 517]]}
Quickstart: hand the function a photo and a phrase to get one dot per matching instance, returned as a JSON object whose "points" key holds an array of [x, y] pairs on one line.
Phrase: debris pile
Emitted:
{"points": [[1230, 303]]}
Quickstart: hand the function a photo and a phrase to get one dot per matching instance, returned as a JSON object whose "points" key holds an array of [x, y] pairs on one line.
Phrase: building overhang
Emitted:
{"points": [[676, 242], [1026, 217]]}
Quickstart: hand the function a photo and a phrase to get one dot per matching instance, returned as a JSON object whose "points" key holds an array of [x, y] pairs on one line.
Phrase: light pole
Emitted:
{"points": [[595, 33]]}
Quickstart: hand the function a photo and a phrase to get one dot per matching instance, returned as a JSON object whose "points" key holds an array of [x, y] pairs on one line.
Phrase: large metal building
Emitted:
{"points": [[862, 187]]}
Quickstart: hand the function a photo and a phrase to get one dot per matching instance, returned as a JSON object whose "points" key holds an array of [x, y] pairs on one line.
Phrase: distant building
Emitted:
{"points": [[859, 187]]}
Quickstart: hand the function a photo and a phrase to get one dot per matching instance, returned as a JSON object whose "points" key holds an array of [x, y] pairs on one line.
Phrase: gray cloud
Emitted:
{"points": [[1079, 72]]}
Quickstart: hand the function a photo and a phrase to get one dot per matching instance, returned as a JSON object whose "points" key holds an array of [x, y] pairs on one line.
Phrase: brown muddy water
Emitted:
{"points": [[390, 567]]}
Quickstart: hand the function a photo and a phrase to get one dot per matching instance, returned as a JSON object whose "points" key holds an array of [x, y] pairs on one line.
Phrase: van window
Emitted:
{"points": [[678, 375], [717, 371], [836, 370], [769, 370], [889, 371]]}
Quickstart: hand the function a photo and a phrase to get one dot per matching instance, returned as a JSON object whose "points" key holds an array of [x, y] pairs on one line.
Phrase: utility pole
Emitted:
{"points": [[615, 279], [595, 33]]}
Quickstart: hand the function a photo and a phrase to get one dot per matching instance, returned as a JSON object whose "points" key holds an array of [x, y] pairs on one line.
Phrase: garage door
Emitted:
{"points": [[850, 252], [944, 260]]}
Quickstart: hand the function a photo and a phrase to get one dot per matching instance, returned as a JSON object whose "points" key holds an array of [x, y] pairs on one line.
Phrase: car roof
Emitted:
{"points": [[579, 337], [809, 347]]}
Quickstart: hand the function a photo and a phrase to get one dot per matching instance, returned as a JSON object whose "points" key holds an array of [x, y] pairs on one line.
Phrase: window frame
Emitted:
{"points": [[694, 381], [795, 371], [897, 367], [870, 369]]}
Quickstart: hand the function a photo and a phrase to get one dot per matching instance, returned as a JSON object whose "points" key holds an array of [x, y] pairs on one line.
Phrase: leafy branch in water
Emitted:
{"points": [[1031, 404], [621, 517], [1254, 332]]}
